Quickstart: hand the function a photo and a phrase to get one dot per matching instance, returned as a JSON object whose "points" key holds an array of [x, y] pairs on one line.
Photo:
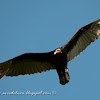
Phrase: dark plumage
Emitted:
{"points": [[30, 63]]}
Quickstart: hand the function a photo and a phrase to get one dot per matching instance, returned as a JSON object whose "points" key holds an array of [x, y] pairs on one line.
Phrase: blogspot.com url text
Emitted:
{"points": [[28, 93]]}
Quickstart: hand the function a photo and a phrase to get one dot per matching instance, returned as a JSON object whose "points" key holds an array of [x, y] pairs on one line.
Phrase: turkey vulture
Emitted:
{"points": [[30, 63]]}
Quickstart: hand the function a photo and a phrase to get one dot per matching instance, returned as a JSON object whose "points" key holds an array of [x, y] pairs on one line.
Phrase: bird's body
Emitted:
{"points": [[30, 63]]}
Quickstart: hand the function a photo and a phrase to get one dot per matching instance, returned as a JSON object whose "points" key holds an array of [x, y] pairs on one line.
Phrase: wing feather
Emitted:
{"points": [[28, 63], [82, 39]]}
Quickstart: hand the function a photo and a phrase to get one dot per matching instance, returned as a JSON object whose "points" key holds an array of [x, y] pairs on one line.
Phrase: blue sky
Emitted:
{"points": [[42, 26]]}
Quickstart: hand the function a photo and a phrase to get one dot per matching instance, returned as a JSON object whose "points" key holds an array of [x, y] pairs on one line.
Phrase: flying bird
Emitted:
{"points": [[30, 63]]}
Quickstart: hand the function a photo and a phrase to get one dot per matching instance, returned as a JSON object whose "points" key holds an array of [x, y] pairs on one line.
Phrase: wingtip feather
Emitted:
{"points": [[2, 74]]}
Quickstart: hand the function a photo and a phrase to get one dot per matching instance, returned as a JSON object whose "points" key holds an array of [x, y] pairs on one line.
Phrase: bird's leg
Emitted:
{"points": [[67, 74]]}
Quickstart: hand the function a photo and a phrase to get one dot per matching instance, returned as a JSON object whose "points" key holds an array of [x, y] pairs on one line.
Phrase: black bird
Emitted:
{"points": [[30, 63]]}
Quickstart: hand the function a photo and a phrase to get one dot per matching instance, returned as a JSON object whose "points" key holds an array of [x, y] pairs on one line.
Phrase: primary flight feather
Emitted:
{"points": [[30, 63]]}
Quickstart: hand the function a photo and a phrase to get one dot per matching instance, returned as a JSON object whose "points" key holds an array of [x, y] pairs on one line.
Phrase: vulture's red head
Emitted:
{"points": [[57, 51]]}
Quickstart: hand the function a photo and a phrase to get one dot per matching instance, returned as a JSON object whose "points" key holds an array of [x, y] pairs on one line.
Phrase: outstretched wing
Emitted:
{"points": [[83, 37], [28, 63]]}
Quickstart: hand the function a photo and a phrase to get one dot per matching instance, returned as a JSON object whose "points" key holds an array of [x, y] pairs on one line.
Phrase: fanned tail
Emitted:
{"points": [[64, 78]]}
